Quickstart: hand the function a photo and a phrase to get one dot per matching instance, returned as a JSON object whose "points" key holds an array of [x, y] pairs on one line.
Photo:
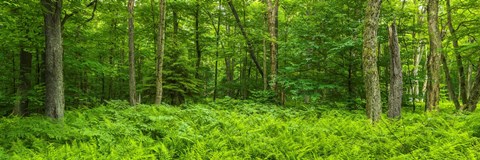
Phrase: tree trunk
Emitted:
{"points": [[416, 63], [197, 38], [217, 45], [250, 47], [396, 77], [55, 100], [272, 28], [24, 87], [418, 56], [265, 80], [461, 72], [131, 51], [474, 93], [434, 60], [469, 80], [372, 86], [451, 90], [160, 52]]}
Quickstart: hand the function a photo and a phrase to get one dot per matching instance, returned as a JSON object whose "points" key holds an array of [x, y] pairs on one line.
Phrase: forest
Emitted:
{"points": [[239, 79]]}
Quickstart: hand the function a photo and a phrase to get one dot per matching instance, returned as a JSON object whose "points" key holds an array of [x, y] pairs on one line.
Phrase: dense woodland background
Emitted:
{"points": [[308, 51], [239, 79]]}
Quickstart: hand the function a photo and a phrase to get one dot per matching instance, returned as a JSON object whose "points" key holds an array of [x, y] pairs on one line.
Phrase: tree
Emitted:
{"points": [[160, 52], [197, 38], [474, 97], [55, 100], [396, 78], [369, 57], [25, 82], [272, 28], [131, 52], [250, 47], [461, 70], [433, 68]]}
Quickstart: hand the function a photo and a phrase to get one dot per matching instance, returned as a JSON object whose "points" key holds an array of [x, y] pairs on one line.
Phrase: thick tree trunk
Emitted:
{"points": [[250, 47], [461, 72], [434, 60], [272, 28], [55, 100], [160, 52], [451, 90], [24, 87], [372, 85], [131, 51], [474, 93], [396, 77]]}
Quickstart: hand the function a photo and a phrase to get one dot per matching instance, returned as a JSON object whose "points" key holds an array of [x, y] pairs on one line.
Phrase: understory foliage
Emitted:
{"points": [[232, 129]]}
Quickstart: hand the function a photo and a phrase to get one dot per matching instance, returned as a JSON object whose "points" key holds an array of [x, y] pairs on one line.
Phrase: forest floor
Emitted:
{"points": [[238, 130]]}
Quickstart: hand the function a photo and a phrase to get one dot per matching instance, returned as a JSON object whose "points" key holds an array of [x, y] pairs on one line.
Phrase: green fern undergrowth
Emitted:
{"points": [[232, 129]]}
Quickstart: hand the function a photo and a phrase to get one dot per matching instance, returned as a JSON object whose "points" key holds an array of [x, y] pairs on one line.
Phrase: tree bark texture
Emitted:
{"points": [[265, 80], [131, 51], [434, 59], [474, 93], [217, 48], [55, 100], [160, 52], [369, 57], [272, 28], [396, 77]]}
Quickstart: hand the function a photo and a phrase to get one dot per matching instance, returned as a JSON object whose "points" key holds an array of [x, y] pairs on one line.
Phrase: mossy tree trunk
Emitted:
{"points": [[370, 56], [433, 68], [55, 100]]}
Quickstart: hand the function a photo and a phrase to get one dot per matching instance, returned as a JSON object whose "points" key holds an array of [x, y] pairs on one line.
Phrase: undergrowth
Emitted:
{"points": [[238, 130]]}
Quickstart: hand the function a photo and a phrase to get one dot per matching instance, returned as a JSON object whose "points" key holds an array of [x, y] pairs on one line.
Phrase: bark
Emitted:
{"points": [[396, 77], [461, 70], [265, 80], [272, 28], [160, 52], [25, 83], [131, 51], [372, 86], [217, 45], [250, 46], [425, 80], [433, 68], [55, 100], [474, 93]]}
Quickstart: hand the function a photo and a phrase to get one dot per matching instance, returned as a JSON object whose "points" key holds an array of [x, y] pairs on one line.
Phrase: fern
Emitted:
{"points": [[232, 129]]}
